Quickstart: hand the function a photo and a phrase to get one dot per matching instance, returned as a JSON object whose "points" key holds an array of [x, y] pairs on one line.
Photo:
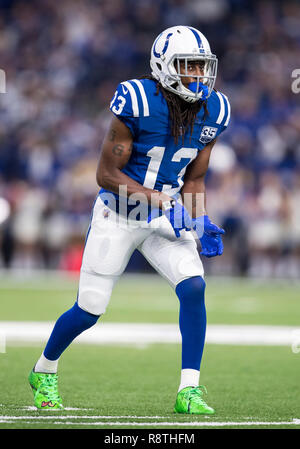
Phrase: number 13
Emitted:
{"points": [[156, 155]]}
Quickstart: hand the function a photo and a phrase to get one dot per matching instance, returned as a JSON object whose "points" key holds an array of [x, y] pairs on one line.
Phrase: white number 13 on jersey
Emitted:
{"points": [[156, 155]]}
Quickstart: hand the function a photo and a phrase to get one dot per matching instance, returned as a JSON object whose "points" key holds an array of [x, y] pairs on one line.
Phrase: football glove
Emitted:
{"points": [[209, 235]]}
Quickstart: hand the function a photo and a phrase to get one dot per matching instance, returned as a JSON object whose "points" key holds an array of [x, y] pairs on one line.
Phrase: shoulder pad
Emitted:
{"points": [[219, 108], [130, 99]]}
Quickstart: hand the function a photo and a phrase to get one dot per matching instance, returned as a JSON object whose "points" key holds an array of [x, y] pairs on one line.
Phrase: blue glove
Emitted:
{"points": [[209, 235], [177, 215]]}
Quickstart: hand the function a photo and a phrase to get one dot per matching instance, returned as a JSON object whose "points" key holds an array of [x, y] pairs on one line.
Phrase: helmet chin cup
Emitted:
{"points": [[200, 88], [187, 97], [195, 91]]}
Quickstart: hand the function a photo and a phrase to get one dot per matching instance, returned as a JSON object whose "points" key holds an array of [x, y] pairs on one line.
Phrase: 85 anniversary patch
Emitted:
{"points": [[208, 133]]}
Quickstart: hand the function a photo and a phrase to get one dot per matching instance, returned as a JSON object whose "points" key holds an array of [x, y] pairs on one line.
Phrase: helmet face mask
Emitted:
{"points": [[180, 46], [210, 65]]}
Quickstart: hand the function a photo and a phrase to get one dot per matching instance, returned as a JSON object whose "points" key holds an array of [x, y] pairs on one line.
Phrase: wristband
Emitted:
{"points": [[166, 205]]}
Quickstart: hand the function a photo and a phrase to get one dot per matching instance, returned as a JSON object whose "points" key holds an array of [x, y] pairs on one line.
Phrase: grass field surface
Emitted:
{"points": [[147, 299], [125, 386]]}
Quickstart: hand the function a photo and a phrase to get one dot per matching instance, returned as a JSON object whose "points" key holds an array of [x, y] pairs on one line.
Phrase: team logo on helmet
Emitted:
{"points": [[159, 55]]}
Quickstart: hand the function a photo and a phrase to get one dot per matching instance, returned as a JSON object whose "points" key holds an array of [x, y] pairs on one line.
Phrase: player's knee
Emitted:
{"points": [[191, 291], [93, 301], [83, 318]]}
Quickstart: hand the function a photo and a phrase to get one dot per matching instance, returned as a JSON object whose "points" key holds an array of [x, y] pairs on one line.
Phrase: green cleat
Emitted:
{"points": [[189, 400], [44, 387]]}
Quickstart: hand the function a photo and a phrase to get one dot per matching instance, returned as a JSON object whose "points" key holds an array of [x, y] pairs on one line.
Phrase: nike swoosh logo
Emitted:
{"points": [[45, 404], [125, 91]]}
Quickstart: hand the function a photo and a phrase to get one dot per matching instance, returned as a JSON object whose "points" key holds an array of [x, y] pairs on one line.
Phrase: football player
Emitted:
{"points": [[156, 153]]}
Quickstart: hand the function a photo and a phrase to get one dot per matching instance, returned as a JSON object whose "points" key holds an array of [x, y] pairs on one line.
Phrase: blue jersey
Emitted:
{"points": [[156, 161]]}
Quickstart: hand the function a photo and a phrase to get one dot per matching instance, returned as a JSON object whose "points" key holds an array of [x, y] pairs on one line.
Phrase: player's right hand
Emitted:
{"points": [[177, 215]]}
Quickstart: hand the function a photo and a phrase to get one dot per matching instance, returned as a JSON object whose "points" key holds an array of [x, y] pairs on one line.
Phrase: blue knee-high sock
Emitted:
{"points": [[192, 320], [67, 327]]}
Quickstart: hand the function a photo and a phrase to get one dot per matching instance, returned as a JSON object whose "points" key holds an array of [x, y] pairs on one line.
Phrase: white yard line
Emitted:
{"points": [[32, 408], [139, 334], [182, 424], [92, 420], [37, 420], [63, 417], [2, 341]]}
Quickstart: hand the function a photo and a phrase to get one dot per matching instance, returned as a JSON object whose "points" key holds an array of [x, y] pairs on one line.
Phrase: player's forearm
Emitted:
{"points": [[194, 197], [118, 182]]}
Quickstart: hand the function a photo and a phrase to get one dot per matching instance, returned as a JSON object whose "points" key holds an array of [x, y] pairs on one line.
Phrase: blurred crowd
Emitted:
{"points": [[63, 61]]}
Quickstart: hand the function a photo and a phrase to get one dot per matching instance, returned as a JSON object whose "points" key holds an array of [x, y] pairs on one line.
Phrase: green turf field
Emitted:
{"points": [[150, 299], [130, 387]]}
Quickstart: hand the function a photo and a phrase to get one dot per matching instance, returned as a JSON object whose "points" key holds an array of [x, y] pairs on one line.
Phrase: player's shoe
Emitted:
{"points": [[45, 392], [189, 400]]}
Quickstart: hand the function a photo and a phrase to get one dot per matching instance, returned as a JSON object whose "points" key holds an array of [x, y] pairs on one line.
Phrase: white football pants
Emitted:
{"points": [[110, 242]]}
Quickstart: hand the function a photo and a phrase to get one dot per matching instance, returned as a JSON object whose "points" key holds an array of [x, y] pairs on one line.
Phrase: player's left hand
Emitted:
{"points": [[209, 235]]}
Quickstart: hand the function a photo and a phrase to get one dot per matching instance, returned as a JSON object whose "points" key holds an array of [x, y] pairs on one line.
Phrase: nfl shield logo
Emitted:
{"points": [[106, 213], [208, 133]]}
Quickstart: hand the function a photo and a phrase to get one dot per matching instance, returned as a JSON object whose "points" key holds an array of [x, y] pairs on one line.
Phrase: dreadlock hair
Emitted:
{"points": [[182, 113]]}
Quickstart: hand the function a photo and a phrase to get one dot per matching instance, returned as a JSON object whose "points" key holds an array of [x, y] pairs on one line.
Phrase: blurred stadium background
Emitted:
{"points": [[63, 60], [62, 65]]}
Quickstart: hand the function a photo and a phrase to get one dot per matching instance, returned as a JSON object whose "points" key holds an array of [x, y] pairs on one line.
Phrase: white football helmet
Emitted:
{"points": [[183, 43]]}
